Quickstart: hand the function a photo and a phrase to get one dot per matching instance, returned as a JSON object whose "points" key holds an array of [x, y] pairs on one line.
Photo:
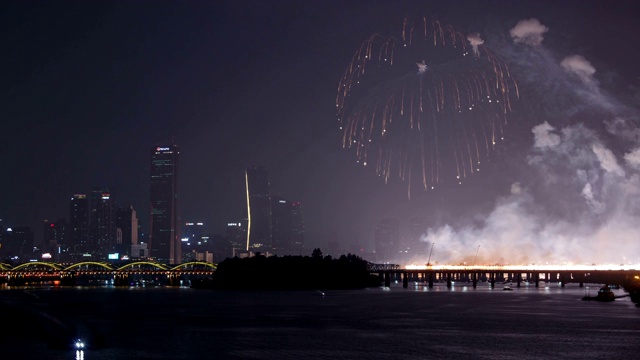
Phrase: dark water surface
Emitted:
{"points": [[391, 323]]}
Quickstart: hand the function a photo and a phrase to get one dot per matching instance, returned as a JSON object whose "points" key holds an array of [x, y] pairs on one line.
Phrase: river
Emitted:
{"points": [[379, 323]]}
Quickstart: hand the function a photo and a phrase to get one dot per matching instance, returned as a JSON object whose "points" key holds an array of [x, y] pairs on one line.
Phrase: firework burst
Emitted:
{"points": [[429, 103]]}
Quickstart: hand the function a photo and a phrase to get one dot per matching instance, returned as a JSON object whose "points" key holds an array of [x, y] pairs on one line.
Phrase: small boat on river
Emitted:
{"points": [[604, 294]]}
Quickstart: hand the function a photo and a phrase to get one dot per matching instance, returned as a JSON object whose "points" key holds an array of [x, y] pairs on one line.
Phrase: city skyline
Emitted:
{"points": [[90, 87]]}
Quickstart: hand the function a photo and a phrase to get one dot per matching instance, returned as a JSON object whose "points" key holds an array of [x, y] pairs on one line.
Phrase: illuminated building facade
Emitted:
{"points": [[281, 234], [297, 228], [194, 241], [126, 231], [55, 240], [236, 239], [78, 226], [287, 227], [194, 232], [18, 244], [258, 209], [102, 228], [164, 233]]}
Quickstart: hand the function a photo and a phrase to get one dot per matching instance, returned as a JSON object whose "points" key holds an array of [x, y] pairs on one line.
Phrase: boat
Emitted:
{"points": [[507, 288], [604, 294]]}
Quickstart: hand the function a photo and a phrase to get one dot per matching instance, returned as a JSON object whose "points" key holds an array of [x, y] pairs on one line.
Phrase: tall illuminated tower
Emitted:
{"points": [[79, 226], [287, 229], [281, 232], [102, 223], [164, 234], [258, 209], [297, 227], [126, 230]]}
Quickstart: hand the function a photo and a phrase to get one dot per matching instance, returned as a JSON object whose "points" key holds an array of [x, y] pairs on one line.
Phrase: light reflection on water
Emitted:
{"points": [[391, 322]]}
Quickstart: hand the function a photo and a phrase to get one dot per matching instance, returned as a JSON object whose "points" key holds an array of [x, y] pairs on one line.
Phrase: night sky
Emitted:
{"points": [[88, 87]]}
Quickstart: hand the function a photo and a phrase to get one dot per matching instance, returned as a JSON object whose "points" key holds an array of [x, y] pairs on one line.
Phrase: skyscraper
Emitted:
{"points": [[102, 228], [287, 226], [55, 240], [258, 209], [164, 233], [78, 226], [236, 235], [297, 227], [281, 226], [20, 243], [193, 240], [126, 231]]}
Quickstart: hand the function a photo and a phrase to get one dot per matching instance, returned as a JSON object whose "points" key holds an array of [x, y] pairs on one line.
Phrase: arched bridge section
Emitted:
{"points": [[195, 265], [90, 265], [100, 273], [143, 265], [37, 265]]}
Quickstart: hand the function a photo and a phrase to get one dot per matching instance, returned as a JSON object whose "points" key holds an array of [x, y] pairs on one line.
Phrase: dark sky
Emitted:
{"points": [[88, 87]]}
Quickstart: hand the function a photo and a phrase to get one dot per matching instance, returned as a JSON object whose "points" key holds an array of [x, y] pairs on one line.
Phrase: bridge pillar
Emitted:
{"points": [[405, 280], [173, 280], [431, 279], [120, 280], [492, 280], [519, 279], [449, 280], [474, 279], [68, 279], [387, 279], [562, 279], [536, 279]]}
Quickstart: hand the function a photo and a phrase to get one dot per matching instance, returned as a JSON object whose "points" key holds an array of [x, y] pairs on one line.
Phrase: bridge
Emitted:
{"points": [[155, 273], [627, 277], [100, 273]]}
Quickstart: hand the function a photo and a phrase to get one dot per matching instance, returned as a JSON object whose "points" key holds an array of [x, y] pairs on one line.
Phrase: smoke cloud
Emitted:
{"points": [[579, 66], [543, 136], [475, 40], [528, 32], [633, 158], [577, 195]]}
